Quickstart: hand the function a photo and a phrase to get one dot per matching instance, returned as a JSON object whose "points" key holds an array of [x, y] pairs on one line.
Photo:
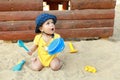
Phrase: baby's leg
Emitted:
{"points": [[55, 64], [36, 64]]}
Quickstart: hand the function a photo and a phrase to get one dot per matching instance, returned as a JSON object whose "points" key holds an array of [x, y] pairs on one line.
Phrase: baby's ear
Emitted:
{"points": [[40, 28]]}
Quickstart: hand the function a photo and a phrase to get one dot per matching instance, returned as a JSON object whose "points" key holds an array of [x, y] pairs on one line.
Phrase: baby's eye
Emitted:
{"points": [[52, 22], [48, 23]]}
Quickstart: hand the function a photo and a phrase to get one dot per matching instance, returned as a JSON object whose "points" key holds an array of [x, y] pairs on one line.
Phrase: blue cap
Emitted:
{"points": [[42, 18]]}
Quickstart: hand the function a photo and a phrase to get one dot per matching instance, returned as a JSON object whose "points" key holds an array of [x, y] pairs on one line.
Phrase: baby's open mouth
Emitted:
{"points": [[52, 29]]}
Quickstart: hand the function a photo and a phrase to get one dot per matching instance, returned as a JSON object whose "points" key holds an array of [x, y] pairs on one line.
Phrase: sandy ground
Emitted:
{"points": [[102, 54]]}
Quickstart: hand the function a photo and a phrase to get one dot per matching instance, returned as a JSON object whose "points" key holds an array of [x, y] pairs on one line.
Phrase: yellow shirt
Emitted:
{"points": [[43, 55]]}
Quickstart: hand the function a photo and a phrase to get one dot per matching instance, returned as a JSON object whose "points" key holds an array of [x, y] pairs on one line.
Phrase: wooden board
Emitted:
{"points": [[16, 35], [61, 15], [61, 24], [86, 32], [65, 33], [17, 25], [74, 24], [92, 4], [21, 5]]}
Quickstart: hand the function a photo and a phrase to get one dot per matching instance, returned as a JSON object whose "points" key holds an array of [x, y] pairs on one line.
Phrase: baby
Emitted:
{"points": [[45, 29]]}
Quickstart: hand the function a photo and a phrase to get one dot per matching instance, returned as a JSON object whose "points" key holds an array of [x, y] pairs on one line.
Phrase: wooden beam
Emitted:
{"points": [[16, 35], [92, 4], [61, 24], [86, 32], [74, 24], [21, 5], [61, 15], [65, 33], [17, 25]]}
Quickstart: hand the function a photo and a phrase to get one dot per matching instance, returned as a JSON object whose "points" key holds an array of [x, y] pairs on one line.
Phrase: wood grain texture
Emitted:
{"points": [[61, 24], [61, 15], [21, 5], [65, 33], [92, 4]]}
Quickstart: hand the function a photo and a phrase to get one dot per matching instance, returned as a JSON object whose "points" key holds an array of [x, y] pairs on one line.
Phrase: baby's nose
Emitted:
{"points": [[52, 25]]}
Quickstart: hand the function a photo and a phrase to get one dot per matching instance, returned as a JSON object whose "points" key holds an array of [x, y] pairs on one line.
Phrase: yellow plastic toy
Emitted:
{"points": [[72, 49], [90, 69]]}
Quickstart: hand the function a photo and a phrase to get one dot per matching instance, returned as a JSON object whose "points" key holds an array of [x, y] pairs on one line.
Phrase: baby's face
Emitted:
{"points": [[48, 27]]}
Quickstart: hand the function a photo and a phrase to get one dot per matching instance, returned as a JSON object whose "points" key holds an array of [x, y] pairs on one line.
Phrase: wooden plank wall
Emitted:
{"points": [[96, 30], [21, 5], [84, 20], [92, 4], [12, 26]]}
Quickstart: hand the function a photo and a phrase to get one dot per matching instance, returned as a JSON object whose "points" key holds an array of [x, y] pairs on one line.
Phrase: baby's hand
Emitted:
{"points": [[29, 52]]}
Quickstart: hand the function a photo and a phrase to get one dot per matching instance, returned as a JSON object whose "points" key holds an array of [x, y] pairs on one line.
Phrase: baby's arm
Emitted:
{"points": [[33, 48]]}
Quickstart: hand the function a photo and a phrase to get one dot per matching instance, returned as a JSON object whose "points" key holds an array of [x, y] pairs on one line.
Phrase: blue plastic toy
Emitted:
{"points": [[56, 46], [21, 44], [19, 66]]}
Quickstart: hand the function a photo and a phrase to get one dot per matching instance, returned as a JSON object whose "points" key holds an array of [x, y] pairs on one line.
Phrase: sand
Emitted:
{"points": [[103, 54]]}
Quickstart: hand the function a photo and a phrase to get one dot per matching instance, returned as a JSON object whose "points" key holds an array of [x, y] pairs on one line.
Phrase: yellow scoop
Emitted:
{"points": [[90, 69], [72, 49]]}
